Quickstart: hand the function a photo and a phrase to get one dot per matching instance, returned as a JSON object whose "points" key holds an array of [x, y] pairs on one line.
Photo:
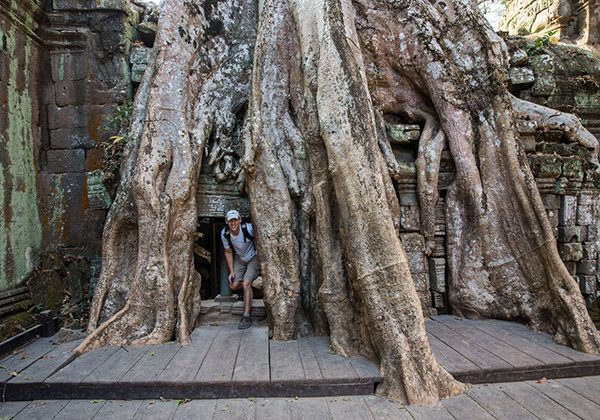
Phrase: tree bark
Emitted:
{"points": [[320, 171]]}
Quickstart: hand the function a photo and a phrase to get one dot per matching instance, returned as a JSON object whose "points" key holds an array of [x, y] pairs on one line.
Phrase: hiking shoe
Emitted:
{"points": [[245, 322]]}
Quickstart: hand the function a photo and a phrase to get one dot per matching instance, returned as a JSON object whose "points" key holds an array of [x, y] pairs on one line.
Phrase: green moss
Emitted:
{"points": [[21, 232]]}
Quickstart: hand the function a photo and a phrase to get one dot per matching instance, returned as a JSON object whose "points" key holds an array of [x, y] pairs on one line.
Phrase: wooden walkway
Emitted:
{"points": [[224, 362], [561, 399]]}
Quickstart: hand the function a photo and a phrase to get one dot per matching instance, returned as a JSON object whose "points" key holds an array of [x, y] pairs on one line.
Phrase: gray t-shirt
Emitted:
{"points": [[244, 250]]}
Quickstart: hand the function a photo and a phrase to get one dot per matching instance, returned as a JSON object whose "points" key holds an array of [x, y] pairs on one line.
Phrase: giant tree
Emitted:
{"points": [[305, 86]]}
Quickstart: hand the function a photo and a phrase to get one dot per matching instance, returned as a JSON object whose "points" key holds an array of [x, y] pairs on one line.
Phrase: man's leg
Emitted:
{"points": [[248, 297]]}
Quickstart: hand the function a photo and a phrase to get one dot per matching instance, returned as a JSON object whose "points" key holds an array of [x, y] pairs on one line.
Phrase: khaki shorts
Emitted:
{"points": [[245, 270]]}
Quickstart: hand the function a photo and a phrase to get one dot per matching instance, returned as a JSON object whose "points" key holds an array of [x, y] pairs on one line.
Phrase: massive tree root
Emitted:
{"points": [[320, 170]]}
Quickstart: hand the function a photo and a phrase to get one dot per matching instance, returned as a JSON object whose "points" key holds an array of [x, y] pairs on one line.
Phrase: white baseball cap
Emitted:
{"points": [[232, 214]]}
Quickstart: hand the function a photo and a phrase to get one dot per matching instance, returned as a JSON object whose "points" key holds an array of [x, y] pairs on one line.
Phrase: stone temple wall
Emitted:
{"points": [[21, 83], [562, 77]]}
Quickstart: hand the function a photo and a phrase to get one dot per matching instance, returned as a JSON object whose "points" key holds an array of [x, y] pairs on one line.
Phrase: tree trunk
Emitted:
{"points": [[320, 171]]}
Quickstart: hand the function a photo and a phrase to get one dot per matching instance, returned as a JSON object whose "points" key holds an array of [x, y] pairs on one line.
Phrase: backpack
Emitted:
{"points": [[245, 233]]}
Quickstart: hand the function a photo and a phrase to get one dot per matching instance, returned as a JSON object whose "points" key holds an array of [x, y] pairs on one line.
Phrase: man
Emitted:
{"points": [[242, 263]]}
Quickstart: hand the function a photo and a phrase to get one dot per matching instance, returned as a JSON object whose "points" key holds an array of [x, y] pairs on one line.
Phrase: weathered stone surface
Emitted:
{"points": [[97, 194], [68, 66], [568, 211], [570, 251], [70, 92], [408, 198], [587, 267], [551, 201], [520, 77], [587, 284], [518, 58], [94, 159], [585, 215], [573, 167], [545, 166], [569, 234], [140, 55], [437, 274], [68, 116], [590, 250], [137, 72], [528, 143], [586, 199], [543, 68], [410, 219], [65, 161], [70, 138], [403, 133]]}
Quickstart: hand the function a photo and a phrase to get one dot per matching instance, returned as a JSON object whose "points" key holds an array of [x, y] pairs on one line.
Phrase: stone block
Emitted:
{"points": [[437, 274], [4, 67], [65, 161], [545, 166], [413, 242], [140, 55], [521, 77], [70, 92], [97, 194], [68, 116], [440, 247], [553, 218], [526, 126], [570, 251], [518, 58], [421, 281], [590, 250], [571, 267], [586, 267], [567, 213], [403, 133], [527, 143], [585, 216], [94, 159], [137, 72], [409, 198], [68, 67], [569, 234], [73, 4], [544, 70], [586, 200], [551, 201], [592, 233], [587, 284], [66, 209], [70, 138], [573, 167], [410, 219]]}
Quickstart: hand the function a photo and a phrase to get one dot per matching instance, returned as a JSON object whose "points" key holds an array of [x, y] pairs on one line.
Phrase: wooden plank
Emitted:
{"points": [[428, 412], [252, 363], [309, 360], [47, 364], [498, 404], [187, 361], [385, 409], [476, 354], [8, 410], [273, 408], [500, 349], [117, 365], [41, 410], [569, 399], [151, 364], [80, 409], [234, 409], [219, 363], [365, 368], [82, 366], [118, 410], [449, 358], [463, 407], [192, 409], [344, 408], [545, 340], [332, 365], [156, 409], [541, 353], [587, 387], [309, 408], [285, 360], [535, 402], [25, 357]]}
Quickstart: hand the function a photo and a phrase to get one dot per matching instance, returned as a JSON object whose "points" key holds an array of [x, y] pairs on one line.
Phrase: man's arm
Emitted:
{"points": [[229, 259]]}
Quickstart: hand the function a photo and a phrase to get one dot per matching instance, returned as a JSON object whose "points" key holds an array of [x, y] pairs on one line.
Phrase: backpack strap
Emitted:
{"points": [[247, 234], [228, 237]]}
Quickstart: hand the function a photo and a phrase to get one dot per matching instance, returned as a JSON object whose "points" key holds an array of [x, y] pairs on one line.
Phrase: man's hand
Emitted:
{"points": [[231, 278]]}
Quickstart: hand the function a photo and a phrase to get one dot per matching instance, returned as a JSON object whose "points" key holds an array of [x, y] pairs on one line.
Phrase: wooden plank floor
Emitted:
{"points": [[224, 362], [573, 398]]}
